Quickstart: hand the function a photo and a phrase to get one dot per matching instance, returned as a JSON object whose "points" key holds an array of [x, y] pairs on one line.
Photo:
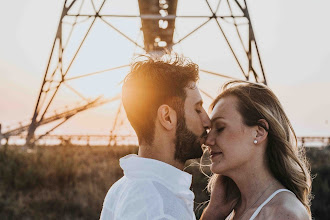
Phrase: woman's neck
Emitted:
{"points": [[255, 184]]}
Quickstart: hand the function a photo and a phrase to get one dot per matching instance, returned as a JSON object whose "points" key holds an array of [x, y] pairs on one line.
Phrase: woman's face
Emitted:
{"points": [[229, 141]]}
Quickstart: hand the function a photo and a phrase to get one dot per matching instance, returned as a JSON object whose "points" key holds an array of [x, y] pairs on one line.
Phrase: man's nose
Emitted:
{"points": [[206, 121]]}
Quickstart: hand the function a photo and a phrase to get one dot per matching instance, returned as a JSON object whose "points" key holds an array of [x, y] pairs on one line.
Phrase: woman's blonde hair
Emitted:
{"points": [[286, 161]]}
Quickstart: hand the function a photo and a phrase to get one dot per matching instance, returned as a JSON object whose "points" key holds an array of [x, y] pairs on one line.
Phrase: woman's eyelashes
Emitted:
{"points": [[220, 129], [198, 111]]}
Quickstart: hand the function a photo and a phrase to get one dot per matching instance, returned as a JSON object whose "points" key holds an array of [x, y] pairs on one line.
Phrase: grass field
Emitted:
{"points": [[70, 182]]}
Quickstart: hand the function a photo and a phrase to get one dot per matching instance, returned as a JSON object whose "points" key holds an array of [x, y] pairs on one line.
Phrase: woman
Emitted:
{"points": [[254, 153]]}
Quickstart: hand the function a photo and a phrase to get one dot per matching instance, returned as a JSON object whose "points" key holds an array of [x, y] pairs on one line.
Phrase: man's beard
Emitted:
{"points": [[187, 144]]}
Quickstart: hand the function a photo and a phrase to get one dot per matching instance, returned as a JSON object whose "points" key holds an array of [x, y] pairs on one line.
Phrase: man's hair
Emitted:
{"points": [[151, 83]]}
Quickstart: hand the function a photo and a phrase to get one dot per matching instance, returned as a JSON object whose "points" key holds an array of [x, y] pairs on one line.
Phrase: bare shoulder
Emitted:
{"points": [[284, 205]]}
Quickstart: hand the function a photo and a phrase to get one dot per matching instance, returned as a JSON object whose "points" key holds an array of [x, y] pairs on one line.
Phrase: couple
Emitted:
{"points": [[258, 172]]}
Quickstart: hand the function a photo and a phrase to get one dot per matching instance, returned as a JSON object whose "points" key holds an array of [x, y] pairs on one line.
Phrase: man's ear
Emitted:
{"points": [[167, 117], [262, 130]]}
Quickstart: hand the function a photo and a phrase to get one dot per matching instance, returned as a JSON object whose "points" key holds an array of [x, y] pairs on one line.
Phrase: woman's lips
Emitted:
{"points": [[215, 154]]}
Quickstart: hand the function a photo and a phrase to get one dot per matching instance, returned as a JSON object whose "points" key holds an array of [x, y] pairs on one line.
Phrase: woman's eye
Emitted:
{"points": [[220, 129], [198, 111]]}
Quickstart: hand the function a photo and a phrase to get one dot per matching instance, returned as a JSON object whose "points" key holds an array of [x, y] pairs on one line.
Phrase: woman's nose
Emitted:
{"points": [[210, 141]]}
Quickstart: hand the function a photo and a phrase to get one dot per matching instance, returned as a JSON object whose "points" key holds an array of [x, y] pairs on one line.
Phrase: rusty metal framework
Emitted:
{"points": [[158, 19]]}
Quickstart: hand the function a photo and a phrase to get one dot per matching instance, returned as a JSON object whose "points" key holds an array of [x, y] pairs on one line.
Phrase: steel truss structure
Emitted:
{"points": [[158, 19]]}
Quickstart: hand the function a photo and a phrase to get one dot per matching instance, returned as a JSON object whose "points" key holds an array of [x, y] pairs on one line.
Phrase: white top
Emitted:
{"points": [[256, 212], [150, 189]]}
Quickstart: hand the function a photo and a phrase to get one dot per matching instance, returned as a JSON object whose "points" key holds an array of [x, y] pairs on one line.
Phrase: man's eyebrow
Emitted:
{"points": [[199, 103], [216, 118]]}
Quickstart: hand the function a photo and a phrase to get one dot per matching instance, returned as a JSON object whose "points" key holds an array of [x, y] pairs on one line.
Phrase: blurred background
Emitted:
{"points": [[63, 128]]}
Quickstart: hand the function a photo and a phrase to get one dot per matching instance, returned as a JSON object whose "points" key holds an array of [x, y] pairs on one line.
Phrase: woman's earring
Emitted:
{"points": [[255, 141]]}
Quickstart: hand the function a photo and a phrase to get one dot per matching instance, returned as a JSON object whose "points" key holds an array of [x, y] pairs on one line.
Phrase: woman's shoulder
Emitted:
{"points": [[284, 205]]}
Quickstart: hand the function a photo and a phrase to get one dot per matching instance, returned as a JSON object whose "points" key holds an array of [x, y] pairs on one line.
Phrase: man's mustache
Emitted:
{"points": [[204, 135]]}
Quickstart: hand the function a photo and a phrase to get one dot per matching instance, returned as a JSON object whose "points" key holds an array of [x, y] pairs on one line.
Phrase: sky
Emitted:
{"points": [[292, 36]]}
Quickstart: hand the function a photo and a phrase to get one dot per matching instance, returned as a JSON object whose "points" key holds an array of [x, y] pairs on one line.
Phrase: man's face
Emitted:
{"points": [[191, 126]]}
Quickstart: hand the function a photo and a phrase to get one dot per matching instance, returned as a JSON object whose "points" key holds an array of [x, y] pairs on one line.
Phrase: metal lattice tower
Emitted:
{"points": [[158, 21]]}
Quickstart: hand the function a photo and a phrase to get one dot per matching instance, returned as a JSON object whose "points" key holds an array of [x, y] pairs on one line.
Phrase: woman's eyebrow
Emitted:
{"points": [[216, 118]]}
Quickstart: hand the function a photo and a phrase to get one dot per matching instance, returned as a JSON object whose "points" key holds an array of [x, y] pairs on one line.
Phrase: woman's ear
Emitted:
{"points": [[167, 117], [262, 131]]}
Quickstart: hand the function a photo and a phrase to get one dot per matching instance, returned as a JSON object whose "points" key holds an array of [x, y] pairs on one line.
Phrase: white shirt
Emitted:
{"points": [[150, 189]]}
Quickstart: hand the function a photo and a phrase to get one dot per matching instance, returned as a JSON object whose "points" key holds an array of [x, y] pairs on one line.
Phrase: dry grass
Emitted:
{"points": [[57, 182]]}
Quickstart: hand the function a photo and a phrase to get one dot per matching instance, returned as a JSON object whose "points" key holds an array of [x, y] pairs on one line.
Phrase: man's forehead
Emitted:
{"points": [[193, 94]]}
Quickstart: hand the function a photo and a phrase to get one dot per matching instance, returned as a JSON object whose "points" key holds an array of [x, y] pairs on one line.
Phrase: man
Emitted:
{"points": [[164, 106]]}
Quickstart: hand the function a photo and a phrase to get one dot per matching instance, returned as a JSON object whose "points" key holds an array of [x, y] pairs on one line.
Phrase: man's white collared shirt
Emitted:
{"points": [[150, 189]]}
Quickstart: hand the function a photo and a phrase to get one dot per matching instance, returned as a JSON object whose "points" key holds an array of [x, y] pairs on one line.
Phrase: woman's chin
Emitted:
{"points": [[218, 168], [215, 168]]}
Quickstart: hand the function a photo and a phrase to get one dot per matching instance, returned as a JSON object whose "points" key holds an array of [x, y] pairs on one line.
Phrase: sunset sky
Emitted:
{"points": [[293, 39]]}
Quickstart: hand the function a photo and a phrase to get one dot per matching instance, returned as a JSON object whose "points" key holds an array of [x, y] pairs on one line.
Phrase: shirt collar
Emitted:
{"points": [[145, 168]]}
